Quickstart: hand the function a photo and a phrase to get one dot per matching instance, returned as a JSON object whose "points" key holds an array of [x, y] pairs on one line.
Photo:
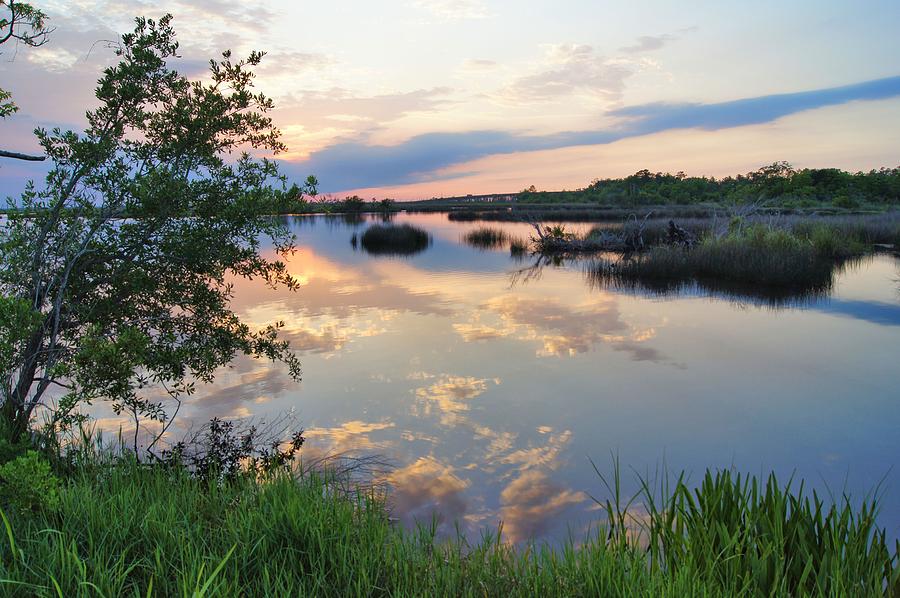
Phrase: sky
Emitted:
{"points": [[413, 99]]}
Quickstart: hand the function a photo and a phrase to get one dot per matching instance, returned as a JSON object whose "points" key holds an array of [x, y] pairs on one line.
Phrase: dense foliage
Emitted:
{"points": [[115, 274], [790, 187]]}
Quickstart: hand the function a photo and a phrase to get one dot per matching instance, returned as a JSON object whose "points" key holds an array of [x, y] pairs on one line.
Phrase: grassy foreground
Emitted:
{"points": [[123, 529]]}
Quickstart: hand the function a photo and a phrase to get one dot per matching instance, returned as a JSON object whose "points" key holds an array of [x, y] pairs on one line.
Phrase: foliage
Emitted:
{"points": [[222, 452], [20, 23], [171, 534], [23, 23], [125, 255], [353, 203], [27, 483], [800, 260], [777, 183], [394, 240], [7, 106]]}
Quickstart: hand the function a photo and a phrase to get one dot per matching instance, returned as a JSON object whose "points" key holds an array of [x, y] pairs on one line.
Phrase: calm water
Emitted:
{"points": [[490, 392]]}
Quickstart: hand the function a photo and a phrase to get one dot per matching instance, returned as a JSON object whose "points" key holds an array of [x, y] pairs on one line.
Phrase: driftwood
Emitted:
{"points": [[557, 241], [680, 236]]}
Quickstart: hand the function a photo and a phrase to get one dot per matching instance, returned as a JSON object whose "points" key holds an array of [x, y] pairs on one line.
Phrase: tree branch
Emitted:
{"points": [[18, 156]]}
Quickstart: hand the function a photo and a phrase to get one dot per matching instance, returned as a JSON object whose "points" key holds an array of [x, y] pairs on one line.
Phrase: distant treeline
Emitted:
{"points": [[791, 187]]}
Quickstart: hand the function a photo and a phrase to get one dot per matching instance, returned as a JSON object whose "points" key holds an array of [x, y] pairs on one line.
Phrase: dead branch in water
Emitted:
{"points": [[555, 240]]}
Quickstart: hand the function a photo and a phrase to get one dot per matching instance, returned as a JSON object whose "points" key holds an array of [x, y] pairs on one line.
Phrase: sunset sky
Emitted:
{"points": [[422, 98]]}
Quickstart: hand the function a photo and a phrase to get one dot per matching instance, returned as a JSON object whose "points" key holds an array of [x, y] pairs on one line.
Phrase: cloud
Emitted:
{"points": [[291, 63], [353, 165], [652, 118], [318, 117], [454, 10], [478, 66], [571, 69], [649, 43]]}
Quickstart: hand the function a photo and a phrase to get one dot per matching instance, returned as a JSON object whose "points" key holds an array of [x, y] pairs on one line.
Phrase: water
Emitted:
{"points": [[491, 392]]}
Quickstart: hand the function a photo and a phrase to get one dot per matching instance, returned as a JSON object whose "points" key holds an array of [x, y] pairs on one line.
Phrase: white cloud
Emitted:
{"points": [[569, 69], [454, 10]]}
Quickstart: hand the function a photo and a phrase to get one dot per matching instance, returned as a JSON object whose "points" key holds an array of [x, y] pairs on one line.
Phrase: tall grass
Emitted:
{"points": [[485, 237], [123, 529], [767, 258], [394, 240]]}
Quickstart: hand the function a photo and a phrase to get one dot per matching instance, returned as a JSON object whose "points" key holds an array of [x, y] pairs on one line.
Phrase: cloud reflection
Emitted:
{"points": [[450, 395], [427, 488], [531, 502], [563, 330]]}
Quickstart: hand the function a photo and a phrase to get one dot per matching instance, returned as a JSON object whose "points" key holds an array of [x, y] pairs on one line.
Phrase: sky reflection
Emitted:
{"points": [[490, 397]]}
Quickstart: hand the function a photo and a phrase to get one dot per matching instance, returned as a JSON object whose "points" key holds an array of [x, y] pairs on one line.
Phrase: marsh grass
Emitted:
{"points": [[763, 259], [485, 237], [518, 247], [122, 528], [390, 239]]}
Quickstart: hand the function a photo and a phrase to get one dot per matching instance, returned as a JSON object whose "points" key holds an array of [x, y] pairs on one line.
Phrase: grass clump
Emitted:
{"points": [[518, 247], [390, 239], [755, 255], [744, 536], [485, 237]]}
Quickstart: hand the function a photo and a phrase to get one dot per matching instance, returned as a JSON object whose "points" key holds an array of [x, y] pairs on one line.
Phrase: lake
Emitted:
{"points": [[490, 392]]}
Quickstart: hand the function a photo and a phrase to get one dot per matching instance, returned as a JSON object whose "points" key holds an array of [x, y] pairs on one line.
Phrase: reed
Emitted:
{"points": [[390, 239], [123, 528], [485, 237]]}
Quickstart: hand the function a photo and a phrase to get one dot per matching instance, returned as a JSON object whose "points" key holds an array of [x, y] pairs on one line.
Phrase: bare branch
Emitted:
{"points": [[18, 156]]}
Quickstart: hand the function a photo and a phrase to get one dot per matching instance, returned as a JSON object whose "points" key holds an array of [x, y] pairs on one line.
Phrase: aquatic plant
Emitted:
{"points": [[485, 237], [759, 256], [401, 239]]}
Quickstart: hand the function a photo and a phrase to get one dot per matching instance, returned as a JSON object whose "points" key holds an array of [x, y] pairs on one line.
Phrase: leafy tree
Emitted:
{"points": [[20, 23], [115, 275]]}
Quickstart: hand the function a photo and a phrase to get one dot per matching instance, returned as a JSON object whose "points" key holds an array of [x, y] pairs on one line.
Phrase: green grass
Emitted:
{"points": [[394, 240], [800, 260], [122, 529]]}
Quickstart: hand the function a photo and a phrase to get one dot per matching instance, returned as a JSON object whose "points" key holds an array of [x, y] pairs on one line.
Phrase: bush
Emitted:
{"points": [[395, 240], [485, 237], [28, 484]]}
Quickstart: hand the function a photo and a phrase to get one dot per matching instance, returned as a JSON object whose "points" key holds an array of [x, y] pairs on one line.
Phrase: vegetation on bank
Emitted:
{"points": [[794, 261], [268, 531], [779, 183]]}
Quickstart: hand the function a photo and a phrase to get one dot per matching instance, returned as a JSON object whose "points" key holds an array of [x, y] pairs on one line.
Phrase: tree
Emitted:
{"points": [[115, 275], [20, 23]]}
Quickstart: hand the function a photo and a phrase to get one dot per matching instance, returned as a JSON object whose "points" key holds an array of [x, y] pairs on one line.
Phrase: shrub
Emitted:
{"points": [[28, 484], [221, 451], [485, 237], [394, 240]]}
